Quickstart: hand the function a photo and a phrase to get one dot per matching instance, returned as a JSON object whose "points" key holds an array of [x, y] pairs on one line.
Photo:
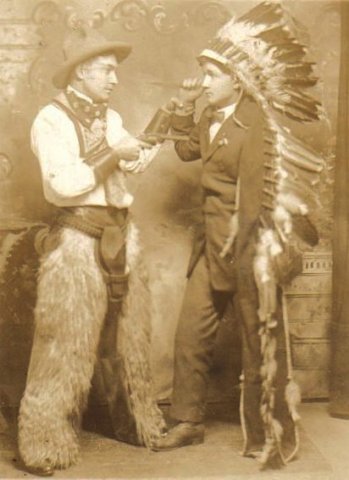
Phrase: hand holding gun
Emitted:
{"points": [[159, 126]]}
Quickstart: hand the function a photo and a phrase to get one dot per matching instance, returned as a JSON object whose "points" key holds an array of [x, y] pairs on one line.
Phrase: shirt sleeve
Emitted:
{"points": [[145, 158], [54, 142]]}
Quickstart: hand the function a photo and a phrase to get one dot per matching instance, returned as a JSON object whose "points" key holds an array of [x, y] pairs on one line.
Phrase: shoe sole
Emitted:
{"points": [[196, 441], [38, 472]]}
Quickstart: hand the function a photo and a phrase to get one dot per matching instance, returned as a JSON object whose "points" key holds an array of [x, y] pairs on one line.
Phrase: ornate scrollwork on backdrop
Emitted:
{"points": [[162, 22], [210, 12], [133, 14], [46, 12], [165, 19], [74, 18]]}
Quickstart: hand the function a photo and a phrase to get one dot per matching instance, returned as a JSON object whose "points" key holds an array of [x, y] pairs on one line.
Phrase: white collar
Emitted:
{"points": [[228, 110], [70, 88]]}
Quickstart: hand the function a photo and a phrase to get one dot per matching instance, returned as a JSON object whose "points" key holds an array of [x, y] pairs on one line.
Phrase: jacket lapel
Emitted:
{"points": [[204, 135], [232, 122], [220, 138]]}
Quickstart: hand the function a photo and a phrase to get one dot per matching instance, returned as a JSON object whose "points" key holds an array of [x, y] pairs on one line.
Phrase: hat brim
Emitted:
{"points": [[211, 55], [121, 51]]}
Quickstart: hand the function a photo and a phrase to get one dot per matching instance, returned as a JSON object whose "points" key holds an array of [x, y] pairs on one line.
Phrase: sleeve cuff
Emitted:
{"points": [[103, 163]]}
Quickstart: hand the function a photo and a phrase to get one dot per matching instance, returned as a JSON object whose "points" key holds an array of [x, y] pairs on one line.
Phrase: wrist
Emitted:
{"points": [[185, 108], [116, 156]]}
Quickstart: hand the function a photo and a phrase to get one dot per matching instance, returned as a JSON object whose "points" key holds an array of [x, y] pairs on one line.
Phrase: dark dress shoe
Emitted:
{"points": [[182, 435], [46, 471]]}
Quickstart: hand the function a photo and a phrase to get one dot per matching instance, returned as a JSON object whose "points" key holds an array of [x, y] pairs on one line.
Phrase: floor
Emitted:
{"points": [[324, 455]]}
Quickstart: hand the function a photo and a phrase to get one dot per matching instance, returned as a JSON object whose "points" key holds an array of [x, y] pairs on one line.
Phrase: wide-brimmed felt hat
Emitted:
{"points": [[82, 44]]}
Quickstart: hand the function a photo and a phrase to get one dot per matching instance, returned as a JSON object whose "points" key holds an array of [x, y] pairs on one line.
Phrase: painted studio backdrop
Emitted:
{"points": [[166, 37]]}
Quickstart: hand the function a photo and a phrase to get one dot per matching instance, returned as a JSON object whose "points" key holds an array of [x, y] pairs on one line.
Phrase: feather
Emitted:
{"points": [[307, 195], [269, 139], [292, 113], [302, 98], [269, 166], [268, 206], [277, 430], [302, 69], [270, 151], [303, 82], [262, 12], [233, 231], [268, 453], [308, 115], [311, 111], [221, 45], [290, 53], [293, 399], [305, 163], [295, 112], [292, 203], [290, 139], [268, 192], [271, 180], [301, 158], [277, 34], [300, 175]]}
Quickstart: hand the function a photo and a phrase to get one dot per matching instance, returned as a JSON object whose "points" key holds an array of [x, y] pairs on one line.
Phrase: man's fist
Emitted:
{"points": [[190, 91], [129, 148]]}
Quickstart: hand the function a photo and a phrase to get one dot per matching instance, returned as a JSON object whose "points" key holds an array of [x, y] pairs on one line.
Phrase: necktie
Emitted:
{"points": [[215, 116]]}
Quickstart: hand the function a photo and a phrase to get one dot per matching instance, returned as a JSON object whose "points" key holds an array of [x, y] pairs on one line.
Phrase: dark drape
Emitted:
{"points": [[339, 385]]}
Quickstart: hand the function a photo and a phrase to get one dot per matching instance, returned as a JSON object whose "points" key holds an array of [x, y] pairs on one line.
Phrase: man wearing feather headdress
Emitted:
{"points": [[257, 194], [92, 299]]}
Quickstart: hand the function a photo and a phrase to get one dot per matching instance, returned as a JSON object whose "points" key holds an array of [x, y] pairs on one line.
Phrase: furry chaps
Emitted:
{"points": [[69, 315]]}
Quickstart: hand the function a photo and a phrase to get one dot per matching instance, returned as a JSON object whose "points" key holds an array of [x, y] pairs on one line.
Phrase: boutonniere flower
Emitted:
{"points": [[222, 142]]}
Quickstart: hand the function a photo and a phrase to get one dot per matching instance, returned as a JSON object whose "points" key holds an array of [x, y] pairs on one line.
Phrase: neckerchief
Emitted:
{"points": [[87, 112]]}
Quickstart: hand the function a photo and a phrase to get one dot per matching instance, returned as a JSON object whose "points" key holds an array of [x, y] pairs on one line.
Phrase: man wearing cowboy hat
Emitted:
{"points": [[90, 275]]}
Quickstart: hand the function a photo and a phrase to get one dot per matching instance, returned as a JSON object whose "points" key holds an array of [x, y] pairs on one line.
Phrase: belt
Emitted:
{"points": [[108, 225]]}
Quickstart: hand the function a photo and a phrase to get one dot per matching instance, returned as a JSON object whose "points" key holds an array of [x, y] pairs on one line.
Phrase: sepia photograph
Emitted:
{"points": [[174, 239]]}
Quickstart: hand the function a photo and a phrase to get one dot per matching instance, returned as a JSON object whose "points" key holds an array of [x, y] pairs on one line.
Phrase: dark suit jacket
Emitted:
{"points": [[235, 152]]}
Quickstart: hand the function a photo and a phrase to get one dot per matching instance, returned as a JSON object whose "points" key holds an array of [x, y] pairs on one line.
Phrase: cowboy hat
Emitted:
{"points": [[83, 44]]}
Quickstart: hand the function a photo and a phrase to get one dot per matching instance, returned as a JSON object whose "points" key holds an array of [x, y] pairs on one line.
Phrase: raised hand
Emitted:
{"points": [[189, 92]]}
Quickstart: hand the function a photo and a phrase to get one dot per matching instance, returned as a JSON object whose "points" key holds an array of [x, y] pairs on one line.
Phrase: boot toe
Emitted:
{"points": [[182, 435], [46, 471]]}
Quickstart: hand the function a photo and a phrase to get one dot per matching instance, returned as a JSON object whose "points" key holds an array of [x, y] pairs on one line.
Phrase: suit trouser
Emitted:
{"points": [[198, 324]]}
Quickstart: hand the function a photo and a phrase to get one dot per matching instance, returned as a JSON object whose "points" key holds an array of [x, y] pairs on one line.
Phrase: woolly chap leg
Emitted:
{"points": [[133, 344], [109, 412], [70, 309]]}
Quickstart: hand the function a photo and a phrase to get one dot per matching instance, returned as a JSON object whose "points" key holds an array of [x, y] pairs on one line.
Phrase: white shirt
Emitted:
{"points": [[70, 88], [215, 126], [67, 180]]}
